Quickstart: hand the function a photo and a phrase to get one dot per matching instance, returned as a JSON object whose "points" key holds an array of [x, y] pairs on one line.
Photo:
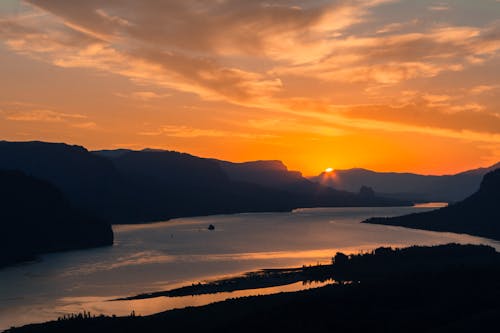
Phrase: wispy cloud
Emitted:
{"points": [[143, 95], [399, 57], [483, 88], [439, 7], [186, 46], [41, 116], [188, 132], [24, 115], [85, 125]]}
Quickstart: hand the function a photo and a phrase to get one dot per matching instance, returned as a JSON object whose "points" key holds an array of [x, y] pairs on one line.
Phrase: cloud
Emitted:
{"points": [[195, 46], [415, 115], [90, 40], [362, 118], [434, 100], [187, 132], [431, 115], [143, 95], [296, 126], [46, 116], [188, 46], [85, 125], [392, 27], [391, 59], [440, 7], [41, 116], [480, 89]]}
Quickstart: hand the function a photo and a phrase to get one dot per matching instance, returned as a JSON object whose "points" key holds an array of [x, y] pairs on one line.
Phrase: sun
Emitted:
{"points": [[328, 170]]}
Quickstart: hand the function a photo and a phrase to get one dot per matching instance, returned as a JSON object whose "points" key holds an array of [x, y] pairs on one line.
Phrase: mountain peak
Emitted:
{"points": [[491, 183], [36, 144]]}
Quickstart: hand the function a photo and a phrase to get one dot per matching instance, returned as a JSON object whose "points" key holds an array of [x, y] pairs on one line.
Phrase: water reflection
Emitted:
{"points": [[431, 205], [148, 306]]}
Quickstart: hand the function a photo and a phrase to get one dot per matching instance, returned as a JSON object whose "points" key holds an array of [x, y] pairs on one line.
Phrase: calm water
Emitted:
{"points": [[159, 256]]}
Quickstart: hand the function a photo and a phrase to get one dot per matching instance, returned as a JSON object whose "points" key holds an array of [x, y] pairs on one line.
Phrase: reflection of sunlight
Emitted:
{"points": [[431, 205], [139, 258], [155, 257], [154, 225], [102, 305], [319, 255]]}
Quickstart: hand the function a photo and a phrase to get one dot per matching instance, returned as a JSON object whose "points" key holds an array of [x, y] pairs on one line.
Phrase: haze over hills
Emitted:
{"points": [[270, 173], [407, 186], [124, 186], [273, 174], [477, 215], [36, 218]]}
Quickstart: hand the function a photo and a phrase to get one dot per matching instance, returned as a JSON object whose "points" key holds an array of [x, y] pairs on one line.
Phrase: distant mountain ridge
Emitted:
{"points": [[407, 186], [125, 186], [479, 214]]}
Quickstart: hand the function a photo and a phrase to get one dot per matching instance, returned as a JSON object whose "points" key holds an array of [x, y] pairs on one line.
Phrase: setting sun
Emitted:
{"points": [[328, 170]]}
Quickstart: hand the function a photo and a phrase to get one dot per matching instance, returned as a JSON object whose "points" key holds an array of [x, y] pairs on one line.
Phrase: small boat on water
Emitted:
{"points": [[211, 227]]}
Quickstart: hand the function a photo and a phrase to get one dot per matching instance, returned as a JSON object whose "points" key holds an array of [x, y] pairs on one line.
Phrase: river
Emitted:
{"points": [[165, 255]]}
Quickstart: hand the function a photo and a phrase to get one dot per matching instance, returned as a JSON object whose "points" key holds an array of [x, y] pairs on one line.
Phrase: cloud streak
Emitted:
{"points": [[188, 132], [41, 116]]}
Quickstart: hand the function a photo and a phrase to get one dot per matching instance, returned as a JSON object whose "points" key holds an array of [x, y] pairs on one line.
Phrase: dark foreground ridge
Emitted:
{"points": [[477, 215], [448, 288], [36, 218]]}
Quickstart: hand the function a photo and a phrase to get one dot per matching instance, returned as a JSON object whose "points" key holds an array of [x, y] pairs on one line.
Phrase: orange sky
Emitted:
{"points": [[381, 84]]}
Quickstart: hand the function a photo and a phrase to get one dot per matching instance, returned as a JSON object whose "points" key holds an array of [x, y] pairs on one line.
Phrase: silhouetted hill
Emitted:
{"points": [[111, 153], [407, 186], [35, 218], [477, 215], [480, 171], [266, 173]]}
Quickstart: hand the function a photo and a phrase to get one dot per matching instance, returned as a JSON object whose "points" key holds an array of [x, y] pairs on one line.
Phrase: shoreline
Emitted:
{"points": [[388, 281], [291, 210], [254, 280]]}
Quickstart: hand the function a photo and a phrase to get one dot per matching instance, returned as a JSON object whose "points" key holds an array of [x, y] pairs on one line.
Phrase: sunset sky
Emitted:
{"points": [[388, 85]]}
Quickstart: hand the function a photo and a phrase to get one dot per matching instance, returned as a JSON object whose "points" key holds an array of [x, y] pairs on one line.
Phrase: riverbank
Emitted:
{"points": [[265, 278], [417, 289]]}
